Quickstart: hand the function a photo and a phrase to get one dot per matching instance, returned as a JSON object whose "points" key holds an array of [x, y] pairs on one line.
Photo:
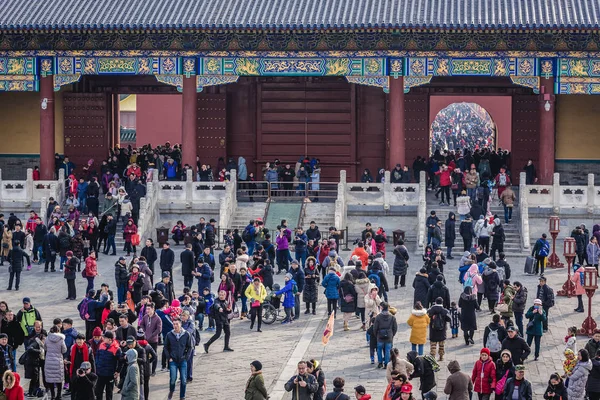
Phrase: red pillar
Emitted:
{"points": [[190, 108], [116, 128], [47, 127], [547, 131], [397, 145]]}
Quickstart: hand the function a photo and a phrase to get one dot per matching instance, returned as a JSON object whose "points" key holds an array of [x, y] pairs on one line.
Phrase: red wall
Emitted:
{"points": [[499, 108], [158, 119]]}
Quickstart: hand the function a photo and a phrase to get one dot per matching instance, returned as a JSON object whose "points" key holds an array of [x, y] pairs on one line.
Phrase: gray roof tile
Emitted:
{"points": [[137, 14]]}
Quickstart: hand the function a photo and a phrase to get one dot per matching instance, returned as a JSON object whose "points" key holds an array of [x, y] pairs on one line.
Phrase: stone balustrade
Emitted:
{"points": [[560, 198], [24, 195]]}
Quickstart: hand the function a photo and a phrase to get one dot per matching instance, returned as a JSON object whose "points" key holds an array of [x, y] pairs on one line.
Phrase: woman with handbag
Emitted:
{"points": [[535, 327], [348, 298], [505, 369], [128, 232], [256, 293], [91, 270]]}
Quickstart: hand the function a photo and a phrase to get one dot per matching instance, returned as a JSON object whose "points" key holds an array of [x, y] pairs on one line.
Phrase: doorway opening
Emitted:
{"points": [[462, 126]]}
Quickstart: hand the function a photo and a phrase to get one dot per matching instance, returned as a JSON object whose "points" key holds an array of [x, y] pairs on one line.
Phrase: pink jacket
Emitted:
{"points": [[576, 279], [473, 272]]}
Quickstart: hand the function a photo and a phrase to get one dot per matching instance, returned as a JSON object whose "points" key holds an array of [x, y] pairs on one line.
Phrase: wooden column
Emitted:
{"points": [[189, 123], [547, 131], [116, 120], [47, 127], [397, 144]]}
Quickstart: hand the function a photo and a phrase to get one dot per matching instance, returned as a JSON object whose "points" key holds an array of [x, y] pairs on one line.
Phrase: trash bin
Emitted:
{"points": [[187, 236], [398, 233], [162, 235]]}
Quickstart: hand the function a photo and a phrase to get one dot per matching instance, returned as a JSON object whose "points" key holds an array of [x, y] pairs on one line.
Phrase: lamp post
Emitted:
{"points": [[590, 284], [553, 260], [568, 289]]}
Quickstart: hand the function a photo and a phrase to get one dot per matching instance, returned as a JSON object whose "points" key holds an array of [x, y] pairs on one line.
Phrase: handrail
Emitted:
{"points": [[302, 214], [267, 210]]}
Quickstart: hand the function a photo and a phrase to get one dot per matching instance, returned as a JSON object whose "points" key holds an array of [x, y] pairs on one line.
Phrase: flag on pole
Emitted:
{"points": [[328, 332]]}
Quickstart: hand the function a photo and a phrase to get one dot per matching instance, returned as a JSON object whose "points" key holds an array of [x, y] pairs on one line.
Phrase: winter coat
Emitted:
{"points": [[13, 389], [299, 392], [204, 279], [525, 392], [402, 366], [423, 370], [255, 387], [152, 327], [84, 386], [473, 272], [310, 294], [421, 286], [507, 293], [91, 267], [54, 347], [131, 383], [577, 279], [458, 384], [347, 289], [538, 321], [560, 391], [331, 283], [288, 301], [362, 288], [492, 284], [520, 299], [450, 230], [578, 380], [400, 260], [468, 305], [418, 321], [438, 289], [463, 205], [337, 394], [385, 321], [121, 274], [518, 348], [593, 253], [435, 312], [484, 376], [593, 383]]}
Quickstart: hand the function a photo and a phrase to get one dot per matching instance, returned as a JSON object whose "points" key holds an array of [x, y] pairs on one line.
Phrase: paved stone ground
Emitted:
{"points": [[221, 375]]}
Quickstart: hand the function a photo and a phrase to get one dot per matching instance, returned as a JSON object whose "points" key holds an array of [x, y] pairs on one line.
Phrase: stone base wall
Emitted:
{"points": [[15, 167], [575, 172]]}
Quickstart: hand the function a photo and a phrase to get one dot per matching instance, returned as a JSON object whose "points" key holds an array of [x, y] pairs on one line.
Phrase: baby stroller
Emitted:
{"points": [[271, 311]]}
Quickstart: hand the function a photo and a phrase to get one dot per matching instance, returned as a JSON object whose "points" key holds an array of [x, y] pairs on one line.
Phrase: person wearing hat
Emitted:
{"points": [[431, 223], [300, 279], [79, 354], [150, 358], [484, 375], [107, 360], [289, 297], [121, 279], [6, 354], [518, 387], [131, 383], [536, 316], [458, 384], [393, 389], [519, 349], [15, 257], [96, 340], [361, 393], [546, 294], [70, 274], [165, 287], [255, 386], [406, 391]]}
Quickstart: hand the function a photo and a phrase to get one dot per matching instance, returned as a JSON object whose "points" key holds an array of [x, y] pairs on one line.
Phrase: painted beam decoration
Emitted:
{"points": [[579, 76], [18, 74], [272, 66]]}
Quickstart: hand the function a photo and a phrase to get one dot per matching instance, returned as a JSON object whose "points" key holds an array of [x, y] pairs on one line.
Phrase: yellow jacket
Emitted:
{"points": [[252, 294], [418, 321]]}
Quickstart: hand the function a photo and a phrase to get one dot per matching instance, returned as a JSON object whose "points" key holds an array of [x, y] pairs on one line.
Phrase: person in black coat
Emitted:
{"points": [[310, 294], [491, 279], [423, 370], [593, 382], [468, 305], [450, 234], [347, 298], [266, 273], [167, 259], [50, 248], [433, 272], [15, 257], [498, 238], [421, 286], [439, 289], [70, 275], [400, 264], [556, 388], [84, 382], [437, 337], [187, 265], [149, 252], [467, 232]]}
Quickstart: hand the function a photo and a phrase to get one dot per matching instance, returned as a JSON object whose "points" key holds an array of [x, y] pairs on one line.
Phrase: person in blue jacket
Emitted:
{"points": [[167, 326], [171, 169], [289, 299], [203, 274], [331, 283]]}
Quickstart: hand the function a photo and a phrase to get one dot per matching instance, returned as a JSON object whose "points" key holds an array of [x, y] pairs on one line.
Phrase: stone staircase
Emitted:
{"points": [[513, 243], [322, 213], [245, 212]]}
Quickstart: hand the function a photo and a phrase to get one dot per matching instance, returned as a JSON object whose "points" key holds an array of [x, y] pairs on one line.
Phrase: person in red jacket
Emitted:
{"points": [[129, 230], [445, 183], [484, 375], [12, 386]]}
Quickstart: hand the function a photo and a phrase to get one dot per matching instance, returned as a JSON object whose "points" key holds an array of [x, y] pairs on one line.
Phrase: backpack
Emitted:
{"points": [[502, 180], [434, 365], [438, 323], [294, 289], [83, 309], [468, 281], [550, 297], [544, 249], [493, 343], [246, 236], [480, 192], [65, 242]]}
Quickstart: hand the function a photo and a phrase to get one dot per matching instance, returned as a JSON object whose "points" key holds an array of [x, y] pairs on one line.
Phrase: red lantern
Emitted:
{"points": [[570, 247], [590, 284], [568, 288], [554, 228], [554, 224]]}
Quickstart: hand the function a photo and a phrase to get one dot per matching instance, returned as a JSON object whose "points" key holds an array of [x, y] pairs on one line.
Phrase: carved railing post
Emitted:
{"points": [[524, 211], [29, 187], [189, 187], [387, 190], [591, 194], [556, 193], [422, 208]]}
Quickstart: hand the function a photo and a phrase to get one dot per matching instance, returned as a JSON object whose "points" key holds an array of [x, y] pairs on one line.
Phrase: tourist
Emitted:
{"points": [[593, 382], [425, 368], [178, 346], [491, 279], [384, 329], [556, 388], [505, 369], [484, 375], [536, 316], [54, 371], [219, 311], [593, 250], [468, 306], [578, 278], [493, 336], [338, 389], [467, 232], [256, 294], [458, 385], [398, 365], [498, 236], [546, 294], [302, 385], [149, 253], [187, 265], [12, 386], [579, 377], [450, 233], [314, 368], [592, 346], [518, 304], [70, 269], [331, 283], [421, 286], [348, 299], [361, 393], [15, 257], [299, 278], [581, 242], [400, 264], [167, 259], [483, 230], [507, 197], [518, 388], [289, 297], [49, 245], [394, 387], [255, 386], [431, 223], [418, 321], [541, 250], [310, 294]]}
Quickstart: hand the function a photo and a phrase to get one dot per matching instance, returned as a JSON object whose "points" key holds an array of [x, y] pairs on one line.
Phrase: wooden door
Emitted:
{"points": [[416, 126], [212, 128], [86, 128], [525, 133]]}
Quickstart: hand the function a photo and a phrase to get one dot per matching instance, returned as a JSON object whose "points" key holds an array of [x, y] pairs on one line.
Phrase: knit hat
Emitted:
{"points": [[26, 300], [537, 302], [3, 336], [406, 388], [69, 253], [140, 335], [257, 365], [485, 350], [97, 331], [85, 365], [294, 262], [289, 276], [166, 274]]}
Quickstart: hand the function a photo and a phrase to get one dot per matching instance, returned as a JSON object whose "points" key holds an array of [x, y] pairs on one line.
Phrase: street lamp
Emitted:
{"points": [[590, 284], [553, 260], [568, 289]]}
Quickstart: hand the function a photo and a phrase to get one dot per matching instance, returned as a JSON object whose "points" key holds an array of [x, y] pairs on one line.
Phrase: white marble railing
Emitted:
{"points": [[422, 210], [557, 196], [341, 206], [22, 194], [148, 218], [228, 204], [524, 211]]}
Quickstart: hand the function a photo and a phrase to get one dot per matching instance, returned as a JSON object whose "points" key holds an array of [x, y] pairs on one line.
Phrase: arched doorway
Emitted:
{"points": [[462, 125]]}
